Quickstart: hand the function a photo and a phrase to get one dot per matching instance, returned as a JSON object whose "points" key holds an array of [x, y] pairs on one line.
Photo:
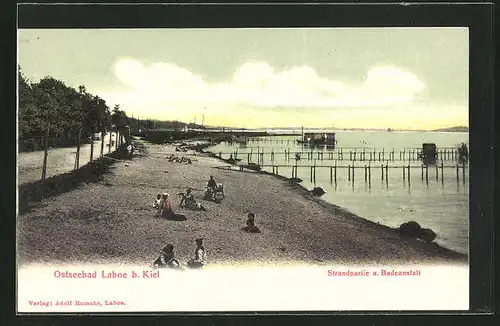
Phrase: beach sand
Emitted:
{"points": [[113, 221]]}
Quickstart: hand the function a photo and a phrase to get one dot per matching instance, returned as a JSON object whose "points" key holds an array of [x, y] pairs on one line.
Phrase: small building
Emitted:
{"points": [[320, 138], [429, 153]]}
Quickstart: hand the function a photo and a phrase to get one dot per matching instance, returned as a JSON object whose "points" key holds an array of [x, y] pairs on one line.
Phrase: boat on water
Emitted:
{"points": [[318, 138]]}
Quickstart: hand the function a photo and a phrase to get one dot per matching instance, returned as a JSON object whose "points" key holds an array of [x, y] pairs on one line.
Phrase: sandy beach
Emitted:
{"points": [[113, 221]]}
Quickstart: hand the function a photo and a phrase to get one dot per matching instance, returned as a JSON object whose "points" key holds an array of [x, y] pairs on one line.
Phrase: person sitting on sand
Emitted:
{"points": [[166, 210], [189, 201], [212, 184], [199, 259], [251, 227], [157, 202], [167, 258]]}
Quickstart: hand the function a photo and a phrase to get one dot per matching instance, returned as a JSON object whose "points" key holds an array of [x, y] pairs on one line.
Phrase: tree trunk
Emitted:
{"points": [[102, 142], [92, 144], [45, 154]]}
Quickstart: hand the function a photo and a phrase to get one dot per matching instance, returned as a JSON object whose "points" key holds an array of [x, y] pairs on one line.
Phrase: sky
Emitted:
{"points": [[400, 78]]}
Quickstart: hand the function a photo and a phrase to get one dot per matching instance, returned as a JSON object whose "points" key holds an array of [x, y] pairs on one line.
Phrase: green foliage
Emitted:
{"points": [[66, 109]]}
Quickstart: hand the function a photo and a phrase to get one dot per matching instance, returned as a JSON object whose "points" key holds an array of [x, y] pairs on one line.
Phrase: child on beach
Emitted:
{"points": [[199, 259], [251, 227], [157, 202], [167, 258]]}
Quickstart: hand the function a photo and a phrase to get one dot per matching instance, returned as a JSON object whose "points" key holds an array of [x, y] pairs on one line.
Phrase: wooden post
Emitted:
{"points": [[387, 172], [409, 176], [437, 172], [404, 176], [382, 169], [45, 153], [369, 174], [427, 173], [366, 173], [353, 168], [422, 170], [314, 172], [349, 172], [463, 172], [458, 178], [442, 172], [331, 174], [335, 173]]}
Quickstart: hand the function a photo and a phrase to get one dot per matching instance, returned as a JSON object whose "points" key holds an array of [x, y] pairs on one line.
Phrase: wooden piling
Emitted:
{"points": [[463, 172], [366, 173], [422, 170], [442, 172], [387, 172], [335, 173], [409, 176], [458, 178], [404, 176], [382, 168], [349, 172], [427, 173], [353, 169], [437, 172]]}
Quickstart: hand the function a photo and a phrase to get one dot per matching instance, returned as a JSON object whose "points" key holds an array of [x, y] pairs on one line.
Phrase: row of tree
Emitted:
{"points": [[66, 113]]}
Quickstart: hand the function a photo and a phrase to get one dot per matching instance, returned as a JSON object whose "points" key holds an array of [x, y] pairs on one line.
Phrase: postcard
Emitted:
{"points": [[243, 170]]}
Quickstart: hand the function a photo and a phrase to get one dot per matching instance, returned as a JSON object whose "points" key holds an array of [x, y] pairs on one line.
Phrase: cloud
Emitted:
{"points": [[259, 85]]}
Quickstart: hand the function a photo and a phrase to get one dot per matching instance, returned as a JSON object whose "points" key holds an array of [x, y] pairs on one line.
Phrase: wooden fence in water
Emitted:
{"points": [[341, 154]]}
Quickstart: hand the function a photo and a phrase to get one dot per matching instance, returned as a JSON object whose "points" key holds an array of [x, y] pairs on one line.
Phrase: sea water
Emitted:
{"points": [[441, 205]]}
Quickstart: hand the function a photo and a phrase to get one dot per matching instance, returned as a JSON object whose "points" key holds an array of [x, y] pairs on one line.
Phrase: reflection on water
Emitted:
{"points": [[435, 198]]}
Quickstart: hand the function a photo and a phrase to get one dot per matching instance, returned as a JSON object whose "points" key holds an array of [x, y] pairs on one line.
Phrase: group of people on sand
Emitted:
{"points": [[176, 159], [164, 208], [167, 257]]}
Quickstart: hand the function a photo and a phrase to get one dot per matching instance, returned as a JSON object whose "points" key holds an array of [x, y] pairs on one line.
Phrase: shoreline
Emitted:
{"points": [[336, 209]]}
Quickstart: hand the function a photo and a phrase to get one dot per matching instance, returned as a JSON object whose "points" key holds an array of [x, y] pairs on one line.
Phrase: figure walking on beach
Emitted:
{"points": [[199, 259], [251, 227], [167, 258]]}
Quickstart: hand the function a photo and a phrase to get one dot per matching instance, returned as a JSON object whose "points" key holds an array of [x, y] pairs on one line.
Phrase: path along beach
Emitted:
{"points": [[113, 221]]}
